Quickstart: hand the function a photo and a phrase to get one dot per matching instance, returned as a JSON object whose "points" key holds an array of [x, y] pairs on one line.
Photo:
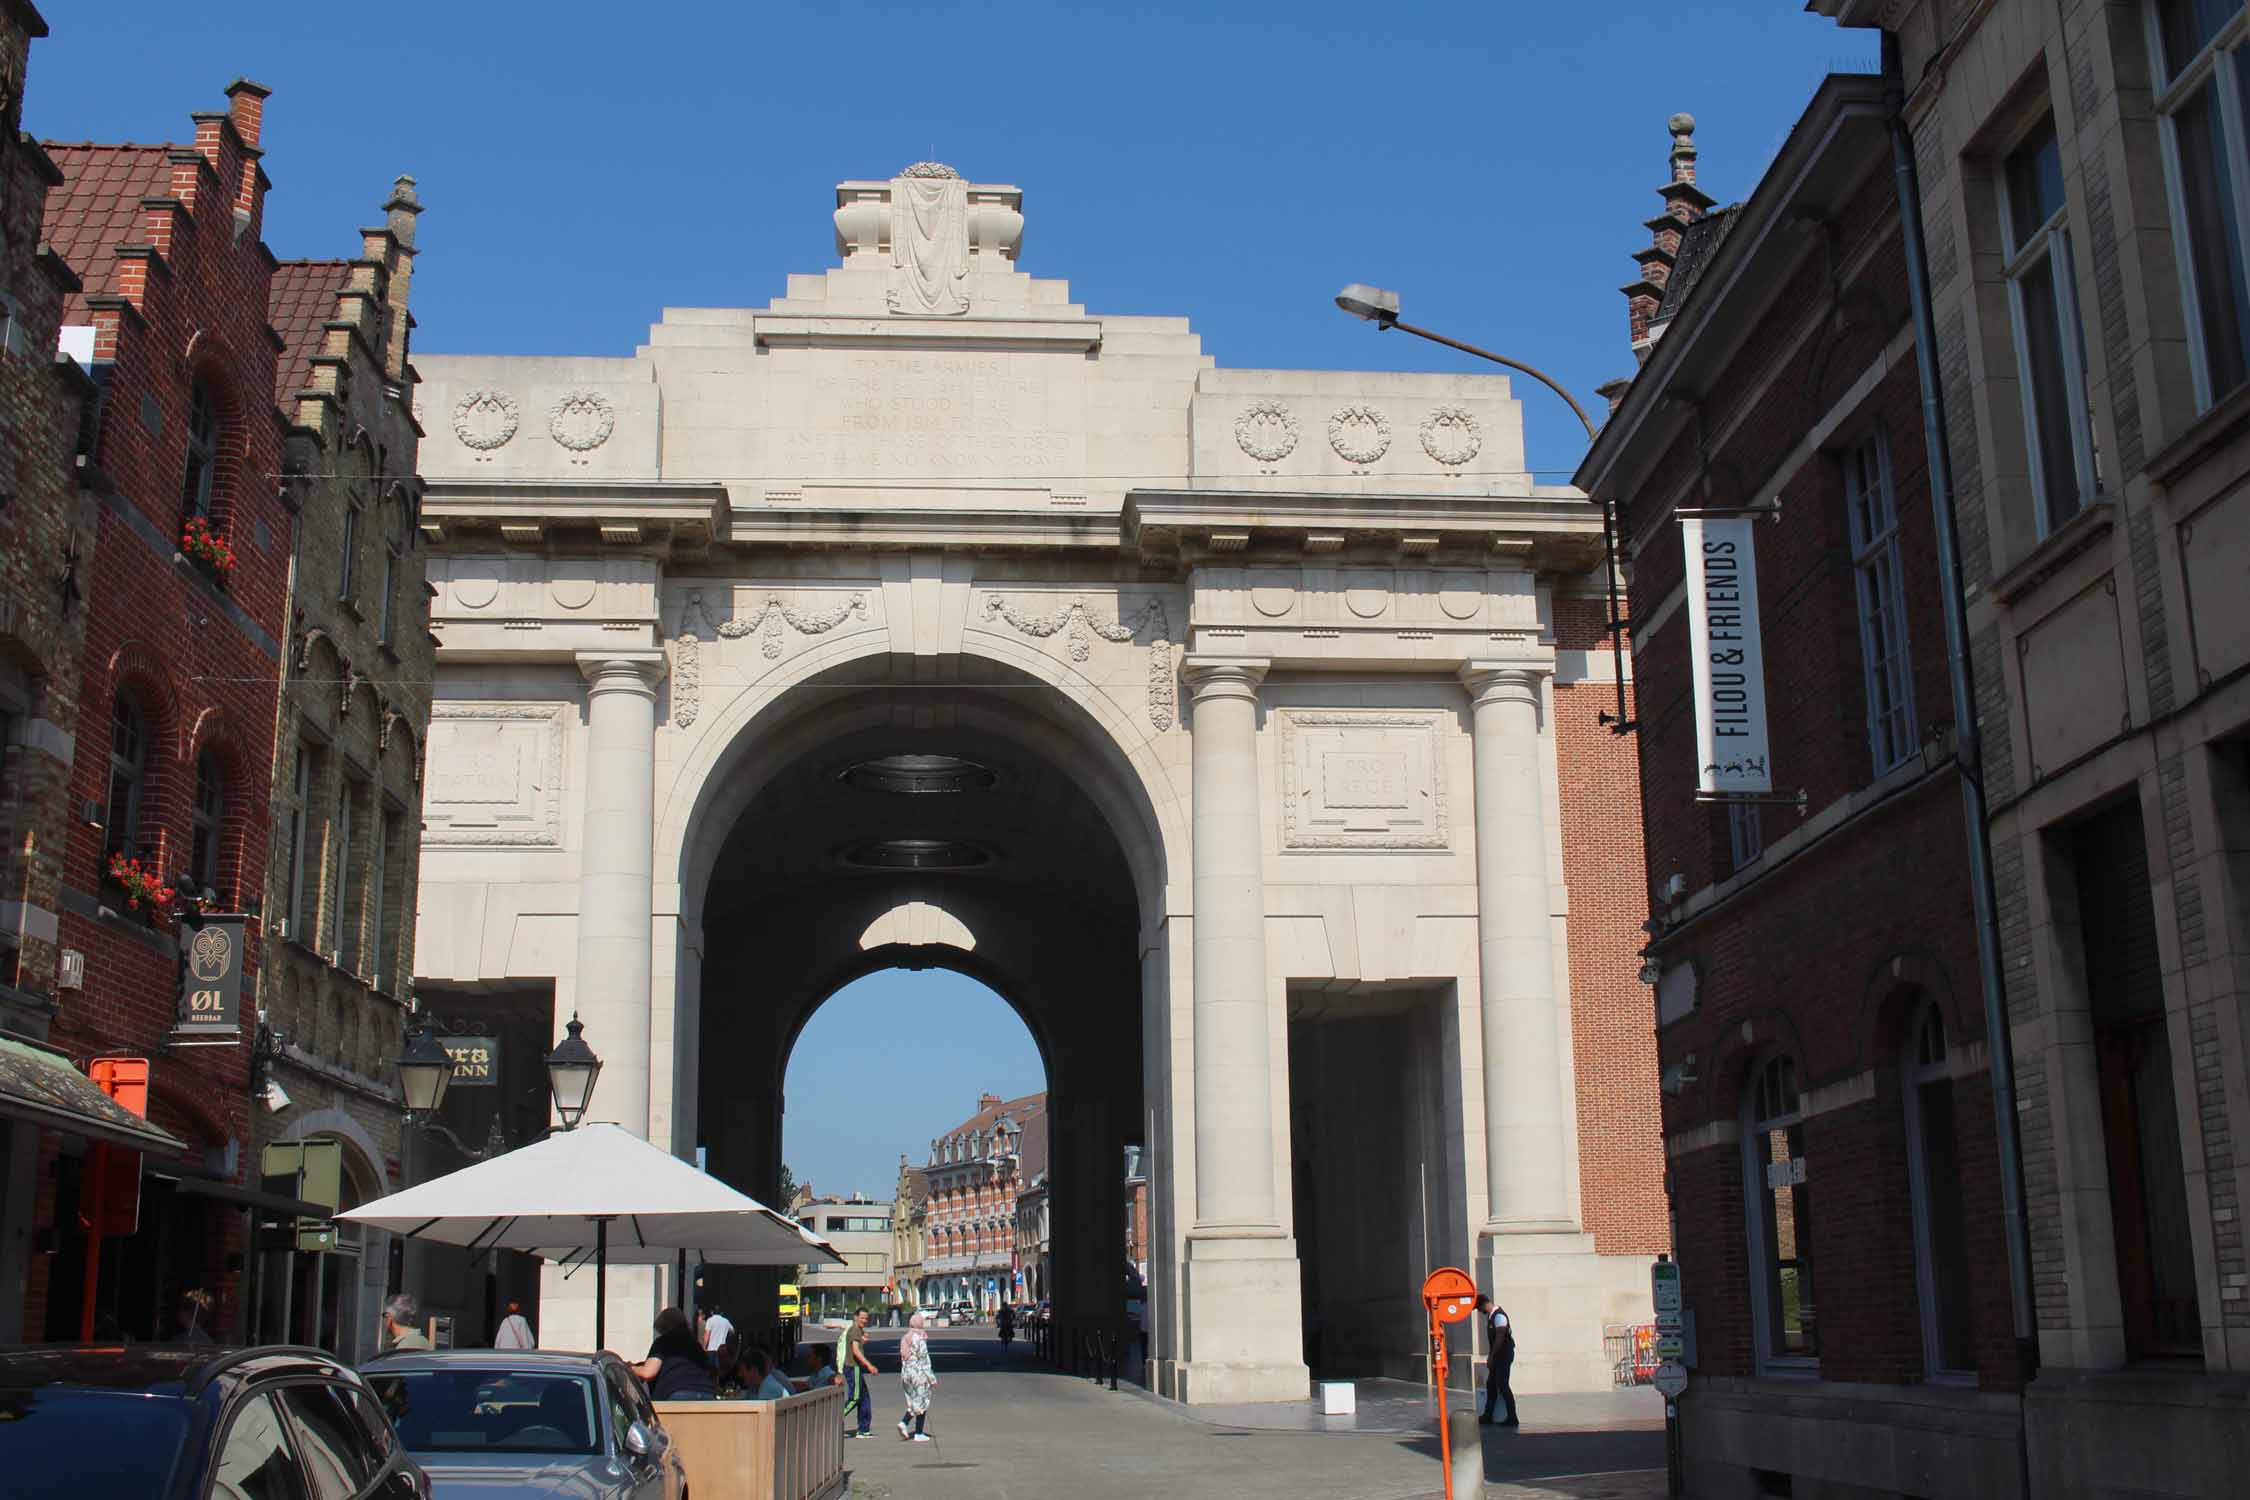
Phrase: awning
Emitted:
{"points": [[248, 1197], [42, 1087]]}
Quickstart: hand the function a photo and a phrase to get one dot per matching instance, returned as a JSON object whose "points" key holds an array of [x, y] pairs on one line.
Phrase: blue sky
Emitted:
{"points": [[586, 165], [890, 1061]]}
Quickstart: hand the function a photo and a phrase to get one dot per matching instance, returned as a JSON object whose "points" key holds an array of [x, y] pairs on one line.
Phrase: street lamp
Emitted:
{"points": [[571, 1071], [1380, 306], [425, 1072]]}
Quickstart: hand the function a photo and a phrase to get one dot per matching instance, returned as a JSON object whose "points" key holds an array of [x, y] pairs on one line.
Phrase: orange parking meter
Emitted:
{"points": [[1450, 1295]]}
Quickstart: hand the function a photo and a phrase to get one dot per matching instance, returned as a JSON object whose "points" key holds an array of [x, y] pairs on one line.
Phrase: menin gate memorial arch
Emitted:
{"points": [[1235, 716]]}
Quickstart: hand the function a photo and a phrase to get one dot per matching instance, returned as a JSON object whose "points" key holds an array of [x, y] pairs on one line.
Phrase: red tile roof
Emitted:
{"points": [[302, 300], [98, 208]]}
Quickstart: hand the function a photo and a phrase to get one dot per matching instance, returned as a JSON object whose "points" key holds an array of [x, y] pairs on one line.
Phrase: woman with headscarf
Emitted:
{"points": [[915, 1377]]}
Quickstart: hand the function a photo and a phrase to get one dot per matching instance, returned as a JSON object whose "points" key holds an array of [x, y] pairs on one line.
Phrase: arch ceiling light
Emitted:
{"points": [[916, 775], [917, 854]]}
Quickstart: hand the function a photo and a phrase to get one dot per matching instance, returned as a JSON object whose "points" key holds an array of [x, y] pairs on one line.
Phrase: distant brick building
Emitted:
{"points": [[975, 1172], [174, 721], [346, 773], [1828, 1121]]}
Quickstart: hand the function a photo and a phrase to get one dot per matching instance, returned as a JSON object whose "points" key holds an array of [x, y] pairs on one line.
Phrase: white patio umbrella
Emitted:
{"points": [[598, 1189]]}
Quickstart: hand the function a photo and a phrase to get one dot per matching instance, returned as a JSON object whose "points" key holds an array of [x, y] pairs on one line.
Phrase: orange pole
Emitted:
{"points": [[92, 1177], [1444, 1407]]}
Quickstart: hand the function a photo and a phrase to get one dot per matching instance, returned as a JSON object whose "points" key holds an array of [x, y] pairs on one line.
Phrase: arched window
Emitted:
{"points": [[348, 548], [128, 773], [209, 818], [1933, 1154], [202, 453], [1777, 1196], [394, 564]]}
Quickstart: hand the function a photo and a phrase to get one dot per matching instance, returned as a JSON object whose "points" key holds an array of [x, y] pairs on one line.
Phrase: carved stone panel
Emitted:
{"points": [[1363, 779], [495, 775]]}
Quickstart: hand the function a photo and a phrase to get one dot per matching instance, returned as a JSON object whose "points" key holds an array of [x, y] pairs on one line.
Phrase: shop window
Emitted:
{"points": [[2139, 1105], [2202, 53], [1778, 1197], [128, 775], [1933, 1153], [2050, 339], [1879, 581]]}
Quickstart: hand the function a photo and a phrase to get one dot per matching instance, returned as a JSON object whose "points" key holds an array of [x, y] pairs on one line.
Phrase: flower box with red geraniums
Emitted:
{"points": [[206, 546], [141, 883]]}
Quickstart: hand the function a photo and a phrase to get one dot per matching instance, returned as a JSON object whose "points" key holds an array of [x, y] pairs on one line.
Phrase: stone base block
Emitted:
{"points": [[1244, 1318], [566, 1308], [1560, 1295]]}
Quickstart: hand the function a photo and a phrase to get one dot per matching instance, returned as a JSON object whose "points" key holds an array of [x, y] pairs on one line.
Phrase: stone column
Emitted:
{"points": [[1244, 1340], [615, 891], [1527, 1174]]}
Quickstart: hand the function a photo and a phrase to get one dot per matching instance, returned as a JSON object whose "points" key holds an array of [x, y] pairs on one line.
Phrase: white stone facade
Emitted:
{"points": [[1285, 636]]}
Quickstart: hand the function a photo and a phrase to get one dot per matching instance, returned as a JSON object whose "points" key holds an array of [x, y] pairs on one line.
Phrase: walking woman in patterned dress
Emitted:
{"points": [[916, 1378]]}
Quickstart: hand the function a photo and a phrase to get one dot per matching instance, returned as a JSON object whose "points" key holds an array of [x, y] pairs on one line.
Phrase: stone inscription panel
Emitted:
{"points": [[1362, 779], [494, 776], [974, 416]]}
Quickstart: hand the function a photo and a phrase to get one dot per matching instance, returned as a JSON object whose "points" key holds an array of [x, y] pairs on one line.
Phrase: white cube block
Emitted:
{"points": [[1338, 1398]]}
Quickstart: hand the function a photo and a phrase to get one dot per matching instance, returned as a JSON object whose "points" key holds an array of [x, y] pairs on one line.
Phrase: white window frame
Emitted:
{"points": [[1916, 1070], [1757, 1197], [1878, 577], [1746, 833], [2049, 243], [2215, 65]]}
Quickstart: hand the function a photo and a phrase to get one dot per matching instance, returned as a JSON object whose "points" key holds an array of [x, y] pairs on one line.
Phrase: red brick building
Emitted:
{"points": [[176, 705], [1827, 1114]]}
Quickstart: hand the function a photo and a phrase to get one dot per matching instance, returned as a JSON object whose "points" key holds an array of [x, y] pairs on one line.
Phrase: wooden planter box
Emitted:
{"points": [[761, 1450]]}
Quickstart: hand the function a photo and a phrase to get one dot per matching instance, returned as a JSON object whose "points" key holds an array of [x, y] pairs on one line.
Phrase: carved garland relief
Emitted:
{"points": [[1163, 700], [769, 617], [1363, 779]]}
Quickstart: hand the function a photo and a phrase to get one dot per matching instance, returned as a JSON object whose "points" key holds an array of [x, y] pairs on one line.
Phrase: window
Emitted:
{"points": [[1776, 1194], [209, 818], [1746, 832], [337, 1453], [387, 848], [128, 773], [1872, 504], [300, 828], [343, 883], [2202, 50], [1933, 1155], [394, 565], [202, 453], [348, 549], [2050, 344], [255, 1462]]}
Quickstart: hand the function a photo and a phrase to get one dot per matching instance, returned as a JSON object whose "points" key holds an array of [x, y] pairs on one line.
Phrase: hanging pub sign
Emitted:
{"points": [[1725, 656], [210, 976], [476, 1060]]}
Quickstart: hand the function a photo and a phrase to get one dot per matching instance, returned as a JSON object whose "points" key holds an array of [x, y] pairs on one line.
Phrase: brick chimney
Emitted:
{"points": [[987, 1101], [400, 212], [246, 107]]}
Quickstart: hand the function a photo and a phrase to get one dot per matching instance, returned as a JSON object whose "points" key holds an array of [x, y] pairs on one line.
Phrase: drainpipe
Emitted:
{"points": [[1968, 754]]}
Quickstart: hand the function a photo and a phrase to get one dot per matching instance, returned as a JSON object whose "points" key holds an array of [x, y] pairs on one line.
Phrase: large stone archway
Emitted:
{"points": [[1304, 664]]}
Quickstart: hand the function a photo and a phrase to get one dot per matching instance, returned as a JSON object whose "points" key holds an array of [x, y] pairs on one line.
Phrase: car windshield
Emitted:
{"points": [[489, 1411], [57, 1441]]}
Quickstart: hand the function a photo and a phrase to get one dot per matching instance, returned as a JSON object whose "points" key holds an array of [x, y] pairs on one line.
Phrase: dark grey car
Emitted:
{"points": [[530, 1423]]}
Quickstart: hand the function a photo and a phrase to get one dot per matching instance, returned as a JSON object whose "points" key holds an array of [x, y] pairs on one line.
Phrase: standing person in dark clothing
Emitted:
{"points": [[1500, 1361], [677, 1369]]}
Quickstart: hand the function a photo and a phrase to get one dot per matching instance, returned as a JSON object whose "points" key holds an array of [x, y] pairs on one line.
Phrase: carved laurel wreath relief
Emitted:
{"points": [[767, 619], [1359, 434], [1081, 627], [484, 419], [1451, 435], [581, 421], [1267, 431]]}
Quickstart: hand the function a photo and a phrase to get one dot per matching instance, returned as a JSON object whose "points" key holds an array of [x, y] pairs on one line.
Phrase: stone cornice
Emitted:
{"points": [[1558, 532], [649, 512]]}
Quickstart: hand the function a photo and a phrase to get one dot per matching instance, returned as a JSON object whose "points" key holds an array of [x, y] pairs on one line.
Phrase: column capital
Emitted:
{"points": [[1224, 676], [622, 671], [1505, 681]]}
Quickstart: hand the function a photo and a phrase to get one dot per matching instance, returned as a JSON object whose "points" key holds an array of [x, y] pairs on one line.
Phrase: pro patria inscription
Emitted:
{"points": [[971, 416], [1362, 779]]}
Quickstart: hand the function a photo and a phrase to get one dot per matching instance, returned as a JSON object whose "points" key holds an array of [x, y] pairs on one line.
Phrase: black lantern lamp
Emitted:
{"points": [[425, 1072], [571, 1070]]}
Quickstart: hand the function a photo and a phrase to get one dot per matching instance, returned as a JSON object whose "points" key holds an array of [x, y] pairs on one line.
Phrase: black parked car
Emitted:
{"points": [[186, 1421]]}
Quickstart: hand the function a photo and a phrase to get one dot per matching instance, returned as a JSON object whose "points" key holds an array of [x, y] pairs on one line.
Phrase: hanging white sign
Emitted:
{"points": [[1728, 665]]}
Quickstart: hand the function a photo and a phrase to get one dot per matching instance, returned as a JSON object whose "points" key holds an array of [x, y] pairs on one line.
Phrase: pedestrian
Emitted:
{"points": [[851, 1358], [676, 1369], [400, 1314], [1007, 1327], [195, 1303], [515, 1330], [717, 1329], [765, 1383], [916, 1378], [1499, 1359]]}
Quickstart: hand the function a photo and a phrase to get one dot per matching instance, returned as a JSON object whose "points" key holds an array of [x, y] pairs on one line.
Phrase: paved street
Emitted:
{"points": [[1014, 1428]]}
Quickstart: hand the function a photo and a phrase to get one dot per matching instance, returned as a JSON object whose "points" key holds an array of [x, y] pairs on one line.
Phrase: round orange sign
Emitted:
{"points": [[1449, 1294]]}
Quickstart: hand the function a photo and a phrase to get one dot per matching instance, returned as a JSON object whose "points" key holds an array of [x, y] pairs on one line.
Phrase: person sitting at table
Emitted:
{"points": [[761, 1379], [677, 1369], [820, 1369]]}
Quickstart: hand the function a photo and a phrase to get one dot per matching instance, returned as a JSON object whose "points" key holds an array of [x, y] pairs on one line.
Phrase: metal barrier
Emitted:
{"points": [[1631, 1351]]}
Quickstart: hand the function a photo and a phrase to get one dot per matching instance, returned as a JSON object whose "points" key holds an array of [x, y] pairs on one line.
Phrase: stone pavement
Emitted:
{"points": [[1012, 1428]]}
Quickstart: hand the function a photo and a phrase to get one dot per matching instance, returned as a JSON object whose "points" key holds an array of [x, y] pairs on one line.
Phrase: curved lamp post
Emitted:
{"points": [[1379, 305], [425, 1073]]}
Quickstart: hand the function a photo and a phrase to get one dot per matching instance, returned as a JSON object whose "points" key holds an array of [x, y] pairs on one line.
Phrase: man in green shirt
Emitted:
{"points": [[851, 1358], [399, 1316]]}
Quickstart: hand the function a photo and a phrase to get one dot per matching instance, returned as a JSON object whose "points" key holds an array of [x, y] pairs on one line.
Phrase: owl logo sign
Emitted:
{"points": [[211, 978]]}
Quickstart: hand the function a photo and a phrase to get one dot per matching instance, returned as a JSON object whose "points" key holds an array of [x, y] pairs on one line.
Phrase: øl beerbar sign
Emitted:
{"points": [[210, 976], [1728, 665]]}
